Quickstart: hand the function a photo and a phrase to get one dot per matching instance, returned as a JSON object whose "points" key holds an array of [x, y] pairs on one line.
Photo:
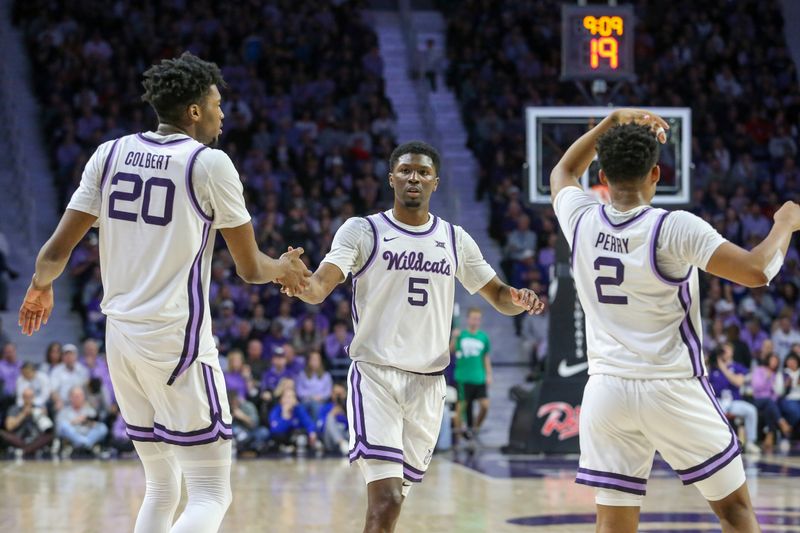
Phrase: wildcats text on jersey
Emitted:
{"points": [[406, 260]]}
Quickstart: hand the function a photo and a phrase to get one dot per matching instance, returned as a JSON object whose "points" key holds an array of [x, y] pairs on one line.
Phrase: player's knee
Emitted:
{"points": [[163, 493], [386, 503]]}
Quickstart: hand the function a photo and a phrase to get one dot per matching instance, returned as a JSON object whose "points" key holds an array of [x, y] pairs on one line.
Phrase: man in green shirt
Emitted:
{"points": [[473, 370]]}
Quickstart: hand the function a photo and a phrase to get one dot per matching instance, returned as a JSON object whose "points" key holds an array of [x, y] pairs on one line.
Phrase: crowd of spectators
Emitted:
{"points": [[308, 126], [727, 61]]}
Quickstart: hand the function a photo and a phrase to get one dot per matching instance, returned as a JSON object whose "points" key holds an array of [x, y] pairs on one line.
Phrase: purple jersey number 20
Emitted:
{"points": [[134, 194], [614, 281]]}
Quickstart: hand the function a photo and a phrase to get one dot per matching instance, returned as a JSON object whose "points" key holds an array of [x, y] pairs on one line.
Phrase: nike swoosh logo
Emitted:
{"points": [[565, 370], [386, 239]]}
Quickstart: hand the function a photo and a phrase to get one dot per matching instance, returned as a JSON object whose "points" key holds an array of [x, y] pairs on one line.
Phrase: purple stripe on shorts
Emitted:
{"points": [[610, 480], [196, 311], [453, 242], [416, 234], [412, 476], [654, 261], [713, 465], [602, 483], [355, 397], [107, 164], [151, 142], [211, 391], [218, 430], [686, 331], [362, 450], [141, 435], [190, 187], [374, 251], [575, 238], [625, 224]]}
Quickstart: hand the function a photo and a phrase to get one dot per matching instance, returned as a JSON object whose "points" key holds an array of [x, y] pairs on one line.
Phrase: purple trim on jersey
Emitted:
{"points": [[416, 234], [190, 186], [353, 310], [107, 164], [145, 140], [575, 238], [362, 448], [453, 242], [609, 480], [713, 465], [621, 225], [654, 261], [688, 333], [374, 252], [191, 340], [217, 429]]}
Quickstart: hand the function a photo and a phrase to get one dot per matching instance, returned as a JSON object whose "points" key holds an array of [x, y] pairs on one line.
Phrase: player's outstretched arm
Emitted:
{"points": [[320, 285], [580, 155], [253, 266], [511, 301], [50, 263], [758, 266]]}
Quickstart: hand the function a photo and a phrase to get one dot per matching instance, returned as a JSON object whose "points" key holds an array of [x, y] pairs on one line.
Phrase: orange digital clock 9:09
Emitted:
{"points": [[597, 42]]}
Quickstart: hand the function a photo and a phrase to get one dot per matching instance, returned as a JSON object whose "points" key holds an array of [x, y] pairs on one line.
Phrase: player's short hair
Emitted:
{"points": [[474, 310], [174, 84], [415, 147], [627, 152]]}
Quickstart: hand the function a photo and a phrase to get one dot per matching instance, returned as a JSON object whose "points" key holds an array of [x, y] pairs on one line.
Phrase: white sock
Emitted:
{"points": [[163, 488], [207, 471]]}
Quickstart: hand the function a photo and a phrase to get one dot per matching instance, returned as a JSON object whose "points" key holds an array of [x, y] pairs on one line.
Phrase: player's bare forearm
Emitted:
{"points": [[510, 301], [320, 284], [54, 255], [756, 267]]}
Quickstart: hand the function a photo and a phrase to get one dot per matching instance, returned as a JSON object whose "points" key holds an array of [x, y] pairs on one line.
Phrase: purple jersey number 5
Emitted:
{"points": [[614, 281]]}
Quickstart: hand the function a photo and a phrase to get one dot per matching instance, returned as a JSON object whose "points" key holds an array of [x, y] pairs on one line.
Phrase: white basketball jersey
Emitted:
{"points": [[639, 323], [403, 297], [156, 245]]}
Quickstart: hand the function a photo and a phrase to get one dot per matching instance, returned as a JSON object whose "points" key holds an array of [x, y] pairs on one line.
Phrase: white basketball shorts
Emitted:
{"points": [[394, 416], [623, 422], [193, 410]]}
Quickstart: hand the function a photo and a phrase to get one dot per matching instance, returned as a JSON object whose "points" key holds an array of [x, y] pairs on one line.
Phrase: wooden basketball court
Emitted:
{"points": [[486, 492]]}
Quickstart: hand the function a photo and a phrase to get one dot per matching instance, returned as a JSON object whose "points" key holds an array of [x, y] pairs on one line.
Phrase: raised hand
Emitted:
{"points": [[645, 118], [35, 309], [789, 213], [295, 275], [527, 299]]}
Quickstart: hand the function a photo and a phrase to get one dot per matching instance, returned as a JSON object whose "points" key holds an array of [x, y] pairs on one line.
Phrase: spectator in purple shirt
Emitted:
{"points": [[767, 382], [727, 378], [98, 368], [314, 384], [754, 336], [9, 372], [237, 377], [337, 341], [273, 376], [294, 363]]}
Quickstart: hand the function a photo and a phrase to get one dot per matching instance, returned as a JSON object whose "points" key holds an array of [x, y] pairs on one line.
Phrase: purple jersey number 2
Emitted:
{"points": [[615, 281]]}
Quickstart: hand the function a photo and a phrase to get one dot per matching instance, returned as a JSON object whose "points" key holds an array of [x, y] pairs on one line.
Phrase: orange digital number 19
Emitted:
{"points": [[607, 48]]}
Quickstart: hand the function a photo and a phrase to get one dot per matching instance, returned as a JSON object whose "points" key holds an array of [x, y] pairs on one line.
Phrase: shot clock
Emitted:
{"points": [[597, 42]]}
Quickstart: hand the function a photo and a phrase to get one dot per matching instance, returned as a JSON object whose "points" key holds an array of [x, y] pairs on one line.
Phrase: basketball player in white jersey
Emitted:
{"points": [[158, 198], [635, 270], [404, 263]]}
